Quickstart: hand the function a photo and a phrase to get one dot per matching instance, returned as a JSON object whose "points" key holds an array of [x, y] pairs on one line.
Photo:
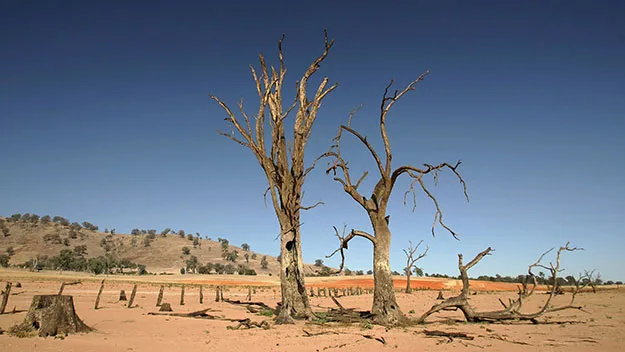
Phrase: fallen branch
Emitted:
{"points": [[252, 307], [448, 334]]}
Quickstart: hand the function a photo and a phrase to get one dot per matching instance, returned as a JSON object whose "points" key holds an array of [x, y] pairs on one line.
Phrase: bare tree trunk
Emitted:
{"points": [[408, 288], [295, 303], [385, 308], [5, 297]]}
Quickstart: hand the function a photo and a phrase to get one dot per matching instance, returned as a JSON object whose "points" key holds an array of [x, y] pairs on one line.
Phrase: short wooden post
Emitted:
{"points": [[201, 295], [159, 299], [132, 296], [5, 297], [182, 296], [97, 300]]}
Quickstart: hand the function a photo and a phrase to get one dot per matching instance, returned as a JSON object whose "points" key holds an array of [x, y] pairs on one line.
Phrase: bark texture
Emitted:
{"points": [[51, 315]]}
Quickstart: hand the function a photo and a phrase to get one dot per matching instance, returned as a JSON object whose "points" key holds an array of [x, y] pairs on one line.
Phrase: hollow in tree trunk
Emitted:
{"points": [[52, 315], [295, 303]]}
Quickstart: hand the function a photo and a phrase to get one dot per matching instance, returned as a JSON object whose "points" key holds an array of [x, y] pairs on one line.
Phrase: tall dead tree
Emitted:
{"points": [[283, 163], [385, 308], [411, 260], [512, 309]]}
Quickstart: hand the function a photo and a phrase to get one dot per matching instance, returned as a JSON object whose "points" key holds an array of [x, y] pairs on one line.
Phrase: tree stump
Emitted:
{"points": [[51, 315], [122, 295], [165, 307], [440, 295]]}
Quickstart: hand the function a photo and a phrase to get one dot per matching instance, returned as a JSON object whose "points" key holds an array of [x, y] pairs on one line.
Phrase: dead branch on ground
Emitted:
{"points": [[512, 309]]}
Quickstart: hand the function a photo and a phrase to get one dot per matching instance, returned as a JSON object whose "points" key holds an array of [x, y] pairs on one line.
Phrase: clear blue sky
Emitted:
{"points": [[105, 117]]}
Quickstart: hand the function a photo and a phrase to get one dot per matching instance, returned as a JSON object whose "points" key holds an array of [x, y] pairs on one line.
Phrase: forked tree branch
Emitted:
{"points": [[344, 243]]}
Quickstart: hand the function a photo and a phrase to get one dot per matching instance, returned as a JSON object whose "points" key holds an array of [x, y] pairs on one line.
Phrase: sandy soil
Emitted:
{"points": [[119, 328]]}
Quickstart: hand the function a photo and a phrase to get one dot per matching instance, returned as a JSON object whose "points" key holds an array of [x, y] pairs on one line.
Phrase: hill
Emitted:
{"points": [[26, 240]]}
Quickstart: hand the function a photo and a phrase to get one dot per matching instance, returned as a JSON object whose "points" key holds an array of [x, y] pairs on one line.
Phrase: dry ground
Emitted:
{"points": [[122, 329]]}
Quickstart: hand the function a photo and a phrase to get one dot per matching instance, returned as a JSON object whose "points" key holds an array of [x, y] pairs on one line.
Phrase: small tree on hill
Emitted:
{"points": [[245, 247], [186, 250], [318, 262], [264, 262]]}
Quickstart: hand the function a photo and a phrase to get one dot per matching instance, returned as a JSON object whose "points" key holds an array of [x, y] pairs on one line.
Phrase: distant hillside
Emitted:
{"points": [[163, 253]]}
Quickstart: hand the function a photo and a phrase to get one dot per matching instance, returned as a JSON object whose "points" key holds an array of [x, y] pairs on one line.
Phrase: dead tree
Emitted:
{"points": [[385, 308], [512, 310], [411, 260], [283, 164]]}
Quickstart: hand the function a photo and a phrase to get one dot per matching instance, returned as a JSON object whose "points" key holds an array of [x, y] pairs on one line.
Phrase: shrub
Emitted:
{"points": [[264, 262], [245, 247], [182, 271], [52, 238], [165, 232], [4, 260], [232, 256], [141, 269], [318, 262], [186, 250], [254, 256], [229, 269], [46, 219], [15, 217]]}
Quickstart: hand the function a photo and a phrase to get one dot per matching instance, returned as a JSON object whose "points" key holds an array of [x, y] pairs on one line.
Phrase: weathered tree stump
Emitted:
{"points": [[201, 295], [122, 295], [5, 297], [249, 293], [18, 285], [182, 296], [440, 295], [51, 315], [165, 307], [217, 290]]}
